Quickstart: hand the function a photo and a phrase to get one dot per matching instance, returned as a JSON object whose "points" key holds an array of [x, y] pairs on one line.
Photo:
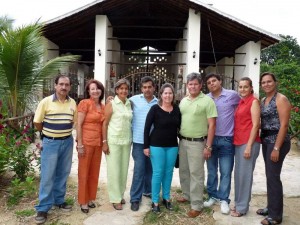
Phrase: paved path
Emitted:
{"points": [[290, 178]]}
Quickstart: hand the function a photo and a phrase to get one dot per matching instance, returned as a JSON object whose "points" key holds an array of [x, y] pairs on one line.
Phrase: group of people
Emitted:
{"points": [[221, 128]]}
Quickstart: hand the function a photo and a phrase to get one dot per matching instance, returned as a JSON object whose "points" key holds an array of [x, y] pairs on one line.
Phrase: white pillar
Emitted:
{"points": [[101, 33], [193, 42], [252, 61]]}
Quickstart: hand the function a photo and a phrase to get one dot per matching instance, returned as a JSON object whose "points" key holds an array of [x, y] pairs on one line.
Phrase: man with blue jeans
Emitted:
{"points": [[222, 154], [142, 173], [54, 118]]}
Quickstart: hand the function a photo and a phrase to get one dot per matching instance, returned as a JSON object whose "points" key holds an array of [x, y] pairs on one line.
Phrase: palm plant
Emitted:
{"points": [[22, 70]]}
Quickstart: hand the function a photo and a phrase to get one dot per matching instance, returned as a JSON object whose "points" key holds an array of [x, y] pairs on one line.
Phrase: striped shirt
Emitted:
{"points": [[140, 108], [57, 117]]}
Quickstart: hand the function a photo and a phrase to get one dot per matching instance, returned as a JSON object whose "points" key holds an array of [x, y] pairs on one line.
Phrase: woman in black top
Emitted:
{"points": [[275, 115], [161, 145]]}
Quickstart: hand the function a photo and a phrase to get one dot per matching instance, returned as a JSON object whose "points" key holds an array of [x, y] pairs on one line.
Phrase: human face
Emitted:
{"points": [[94, 91], [122, 91], [244, 88], [148, 90], [167, 96], [268, 84], [214, 85], [63, 87], [194, 87]]}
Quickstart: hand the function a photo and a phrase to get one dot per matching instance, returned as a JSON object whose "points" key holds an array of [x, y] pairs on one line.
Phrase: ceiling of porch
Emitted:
{"points": [[156, 23]]}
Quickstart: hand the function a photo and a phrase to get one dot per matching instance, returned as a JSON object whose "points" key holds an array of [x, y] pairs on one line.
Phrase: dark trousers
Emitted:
{"points": [[274, 185]]}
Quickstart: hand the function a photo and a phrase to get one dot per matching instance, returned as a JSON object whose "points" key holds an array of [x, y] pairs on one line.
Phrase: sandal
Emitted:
{"points": [[91, 205], [237, 214], [117, 206], [233, 209], [270, 221], [262, 212], [123, 201]]}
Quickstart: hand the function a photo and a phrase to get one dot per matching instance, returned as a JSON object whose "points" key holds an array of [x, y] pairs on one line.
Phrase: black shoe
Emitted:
{"points": [[155, 208], [135, 206], [41, 217], [167, 204], [147, 195], [65, 207], [92, 205], [84, 210]]}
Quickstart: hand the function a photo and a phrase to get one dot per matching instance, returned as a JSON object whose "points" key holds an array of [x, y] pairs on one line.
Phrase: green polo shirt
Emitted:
{"points": [[194, 115]]}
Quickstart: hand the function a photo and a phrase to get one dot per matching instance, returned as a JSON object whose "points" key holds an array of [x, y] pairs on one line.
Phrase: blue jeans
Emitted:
{"points": [[222, 156], [163, 160], [142, 173], [56, 162]]}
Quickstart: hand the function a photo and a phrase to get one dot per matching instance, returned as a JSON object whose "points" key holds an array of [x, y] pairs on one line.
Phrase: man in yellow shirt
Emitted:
{"points": [[54, 118]]}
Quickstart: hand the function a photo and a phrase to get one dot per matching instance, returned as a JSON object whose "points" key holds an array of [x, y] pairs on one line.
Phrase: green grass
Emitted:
{"points": [[25, 213]]}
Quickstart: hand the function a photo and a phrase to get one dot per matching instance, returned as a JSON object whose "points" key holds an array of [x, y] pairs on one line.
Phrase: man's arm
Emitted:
{"points": [[39, 126], [210, 136]]}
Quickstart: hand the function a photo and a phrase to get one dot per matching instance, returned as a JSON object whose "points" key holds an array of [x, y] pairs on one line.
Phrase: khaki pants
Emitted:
{"points": [[191, 172], [117, 170]]}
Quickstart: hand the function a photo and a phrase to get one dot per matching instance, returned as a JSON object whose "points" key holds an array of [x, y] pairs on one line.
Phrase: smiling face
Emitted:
{"points": [[167, 95], [94, 91], [122, 91], [245, 88], [268, 84]]}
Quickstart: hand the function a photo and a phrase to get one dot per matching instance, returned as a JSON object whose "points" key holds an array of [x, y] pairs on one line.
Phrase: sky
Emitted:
{"points": [[275, 16]]}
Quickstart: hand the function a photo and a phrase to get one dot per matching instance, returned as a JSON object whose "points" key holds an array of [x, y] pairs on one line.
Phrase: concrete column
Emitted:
{"points": [[193, 42], [252, 61], [101, 32]]}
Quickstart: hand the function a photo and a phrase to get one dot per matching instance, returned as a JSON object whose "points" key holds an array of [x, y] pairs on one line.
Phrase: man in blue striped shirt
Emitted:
{"points": [[142, 174], [54, 117]]}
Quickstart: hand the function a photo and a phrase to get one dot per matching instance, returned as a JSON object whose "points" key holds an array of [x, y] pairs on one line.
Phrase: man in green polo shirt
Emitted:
{"points": [[197, 131]]}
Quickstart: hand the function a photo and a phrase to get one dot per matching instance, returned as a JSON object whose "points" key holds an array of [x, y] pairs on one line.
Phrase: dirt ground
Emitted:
{"points": [[76, 217]]}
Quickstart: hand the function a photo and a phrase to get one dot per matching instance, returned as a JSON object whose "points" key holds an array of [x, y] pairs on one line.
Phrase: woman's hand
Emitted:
{"points": [[80, 150], [147, 152], [247, 153], [105, 148], [275, 156]]}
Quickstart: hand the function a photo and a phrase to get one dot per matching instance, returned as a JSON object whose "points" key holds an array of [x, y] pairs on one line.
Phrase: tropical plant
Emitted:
{"points": [[283, 60], [22, 70]]}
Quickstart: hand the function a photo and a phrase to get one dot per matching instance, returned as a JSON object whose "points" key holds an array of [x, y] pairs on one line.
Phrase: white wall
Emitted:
{"points": [[251, 70]]}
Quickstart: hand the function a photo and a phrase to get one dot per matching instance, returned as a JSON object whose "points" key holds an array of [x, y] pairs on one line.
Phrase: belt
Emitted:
{"points": [[194, 139], [56, 138]]}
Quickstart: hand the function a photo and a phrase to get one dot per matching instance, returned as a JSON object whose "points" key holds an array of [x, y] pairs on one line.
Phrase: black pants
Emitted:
{"points": [[274, 185]]}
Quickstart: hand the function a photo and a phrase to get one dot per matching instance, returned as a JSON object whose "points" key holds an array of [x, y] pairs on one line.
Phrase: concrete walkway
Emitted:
{"points": [[290, 179]]}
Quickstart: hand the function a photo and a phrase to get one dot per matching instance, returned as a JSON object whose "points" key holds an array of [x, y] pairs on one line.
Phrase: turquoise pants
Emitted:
{"points": [[163, 160]]}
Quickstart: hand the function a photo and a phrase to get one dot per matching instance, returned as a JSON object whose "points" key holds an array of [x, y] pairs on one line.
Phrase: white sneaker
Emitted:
{"points": [[225, 207], [210, 202]]}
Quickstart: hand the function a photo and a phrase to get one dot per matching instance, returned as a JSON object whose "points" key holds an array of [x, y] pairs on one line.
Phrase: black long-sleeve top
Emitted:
{"points": [[165, 127]]}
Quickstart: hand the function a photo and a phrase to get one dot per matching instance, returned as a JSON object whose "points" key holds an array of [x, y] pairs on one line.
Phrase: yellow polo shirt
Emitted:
{"points": [[57, 117]]}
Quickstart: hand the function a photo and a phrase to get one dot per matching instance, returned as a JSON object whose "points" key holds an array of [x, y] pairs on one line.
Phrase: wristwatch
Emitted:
{"points": [[276, 149], [209, 148]]}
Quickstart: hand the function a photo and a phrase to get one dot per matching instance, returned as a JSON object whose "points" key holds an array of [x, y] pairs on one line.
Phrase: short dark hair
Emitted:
{"points": [[147, 79], [163, 87], [61, 76], [193, 76], [265, 74], [98, 84], [210, 75]]}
